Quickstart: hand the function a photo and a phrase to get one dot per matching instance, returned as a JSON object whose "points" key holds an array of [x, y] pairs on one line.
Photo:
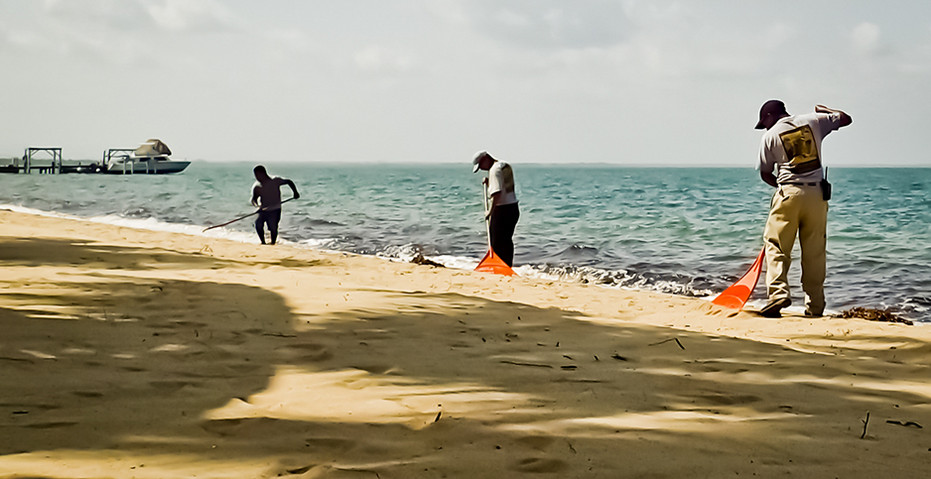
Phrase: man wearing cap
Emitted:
{"points": [[790, 161], [503, 213]]}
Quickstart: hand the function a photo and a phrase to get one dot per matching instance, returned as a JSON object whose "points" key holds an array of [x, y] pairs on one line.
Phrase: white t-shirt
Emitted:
{"points": [[792, 147], [501, 180], [269, 193]]}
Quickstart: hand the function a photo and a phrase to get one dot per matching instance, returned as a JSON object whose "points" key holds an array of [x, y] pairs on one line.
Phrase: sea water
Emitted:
{"points": [[686, 231]]}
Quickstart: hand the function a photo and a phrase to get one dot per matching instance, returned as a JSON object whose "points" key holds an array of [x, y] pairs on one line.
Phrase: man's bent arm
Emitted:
{"points": [[845, 119], [293, 188]]}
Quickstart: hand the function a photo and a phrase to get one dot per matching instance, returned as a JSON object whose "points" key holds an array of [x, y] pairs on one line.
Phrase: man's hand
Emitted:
{"points": [[769, 179], [296, 195], [485, 181]]}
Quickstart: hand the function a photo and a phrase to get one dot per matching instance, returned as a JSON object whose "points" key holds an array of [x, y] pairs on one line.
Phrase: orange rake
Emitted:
{"points": [[738, 293], [491, 262]]}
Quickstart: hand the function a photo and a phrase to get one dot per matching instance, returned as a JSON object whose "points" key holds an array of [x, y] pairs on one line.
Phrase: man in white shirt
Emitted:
{"points": [[267, 195], [790, 161], [503, 213]]}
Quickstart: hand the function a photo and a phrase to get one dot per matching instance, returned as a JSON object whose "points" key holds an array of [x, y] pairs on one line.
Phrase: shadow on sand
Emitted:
{"points": [[143, 369]]}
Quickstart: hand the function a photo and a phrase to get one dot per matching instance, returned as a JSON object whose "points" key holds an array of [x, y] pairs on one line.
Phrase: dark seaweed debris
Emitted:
{"points": [[870, 314], [419, 259]]}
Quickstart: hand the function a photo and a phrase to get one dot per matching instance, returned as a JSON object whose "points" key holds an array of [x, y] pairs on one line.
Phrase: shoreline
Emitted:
{"points": [[144, 353], [457, 263], [694, 241]]}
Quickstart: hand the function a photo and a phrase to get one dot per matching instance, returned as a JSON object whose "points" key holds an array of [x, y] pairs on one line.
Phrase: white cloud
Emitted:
{"points": [[291, 39], [191, 15], [866, 38], [547, 24], [96, 15], [379, 59], [777, 35], [24, 39]]}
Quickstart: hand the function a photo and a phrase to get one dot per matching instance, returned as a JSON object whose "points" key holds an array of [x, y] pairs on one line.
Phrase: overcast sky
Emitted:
{"points": [[531, 81]]}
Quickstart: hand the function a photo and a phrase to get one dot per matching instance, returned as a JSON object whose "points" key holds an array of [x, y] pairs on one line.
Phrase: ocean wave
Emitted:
{"points": [[671, 284]]}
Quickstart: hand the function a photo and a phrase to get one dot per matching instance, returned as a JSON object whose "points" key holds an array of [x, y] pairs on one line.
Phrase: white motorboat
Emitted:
{"points": [[150, 158]]}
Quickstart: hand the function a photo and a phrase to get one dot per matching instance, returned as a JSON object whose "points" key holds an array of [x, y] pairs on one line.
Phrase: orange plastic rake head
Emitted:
{"points": [[738, 293], [491, 263]]}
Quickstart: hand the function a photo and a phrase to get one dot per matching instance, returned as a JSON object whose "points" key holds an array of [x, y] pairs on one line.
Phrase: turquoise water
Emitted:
{"points": [[678, 230]]}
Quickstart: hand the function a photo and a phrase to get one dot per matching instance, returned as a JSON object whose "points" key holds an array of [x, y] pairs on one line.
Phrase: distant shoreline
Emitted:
{"points": [[7, 160]]}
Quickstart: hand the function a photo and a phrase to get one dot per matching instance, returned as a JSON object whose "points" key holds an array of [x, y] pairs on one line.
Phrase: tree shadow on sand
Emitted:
{"points": [[198, 378]]}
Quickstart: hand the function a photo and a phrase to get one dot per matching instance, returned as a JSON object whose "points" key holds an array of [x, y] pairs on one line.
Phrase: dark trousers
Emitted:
{"points": [[501, 229], [270, 218]]}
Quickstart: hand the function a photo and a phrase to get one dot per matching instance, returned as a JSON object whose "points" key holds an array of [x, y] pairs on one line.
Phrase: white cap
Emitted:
{"points": [[478, 159]]}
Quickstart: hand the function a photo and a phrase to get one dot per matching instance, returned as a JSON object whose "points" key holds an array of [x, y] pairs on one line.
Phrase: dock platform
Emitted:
{"points": [[148, 159]]}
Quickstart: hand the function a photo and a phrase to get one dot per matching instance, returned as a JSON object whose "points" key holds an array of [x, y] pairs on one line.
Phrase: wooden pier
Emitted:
{"points": [[151, 158], [47, 160], [29, 159]]}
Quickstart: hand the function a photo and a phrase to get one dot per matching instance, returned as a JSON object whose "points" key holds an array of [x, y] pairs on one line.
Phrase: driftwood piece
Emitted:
{"points": [[679, 343], [904, 423], [866, 423]]}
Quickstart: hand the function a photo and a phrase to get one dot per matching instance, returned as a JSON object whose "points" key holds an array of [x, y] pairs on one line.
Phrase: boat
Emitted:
{"points": [[150, 158]]}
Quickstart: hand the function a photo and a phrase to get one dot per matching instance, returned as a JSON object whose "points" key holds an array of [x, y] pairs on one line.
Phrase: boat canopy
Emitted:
{"points": [[152, 147]]}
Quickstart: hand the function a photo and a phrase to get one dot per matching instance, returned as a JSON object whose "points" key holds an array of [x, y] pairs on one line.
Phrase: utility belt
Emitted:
{"points": [[824, 184]]}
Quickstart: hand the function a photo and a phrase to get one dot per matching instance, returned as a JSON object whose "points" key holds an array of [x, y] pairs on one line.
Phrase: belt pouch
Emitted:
{"points": [[825, 189]]}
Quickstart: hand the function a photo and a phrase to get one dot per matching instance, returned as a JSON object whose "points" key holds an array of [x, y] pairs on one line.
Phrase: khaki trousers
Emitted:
{"points": [[797, 210]]}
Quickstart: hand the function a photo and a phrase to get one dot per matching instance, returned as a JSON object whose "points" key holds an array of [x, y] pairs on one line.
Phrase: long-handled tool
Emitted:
{"points": [[738, 293], [243, 216], [491, 262]]}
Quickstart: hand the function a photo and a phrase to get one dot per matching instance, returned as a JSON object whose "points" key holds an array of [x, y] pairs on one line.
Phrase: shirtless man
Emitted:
{"points": [[266, 194]]}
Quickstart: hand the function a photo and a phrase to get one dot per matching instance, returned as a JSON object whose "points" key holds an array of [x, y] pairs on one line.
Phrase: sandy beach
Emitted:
{"points": [[133, 353]]}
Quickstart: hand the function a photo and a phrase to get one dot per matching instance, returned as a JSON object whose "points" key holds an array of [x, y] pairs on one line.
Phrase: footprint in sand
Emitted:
{"points": [[296, 471], [169, 386], [728, 399], [539, 443], [375, 368], [222, 427], [310, 352], [539, 465], [244, 368], [329, 444], [88, 394], [50, 425]]}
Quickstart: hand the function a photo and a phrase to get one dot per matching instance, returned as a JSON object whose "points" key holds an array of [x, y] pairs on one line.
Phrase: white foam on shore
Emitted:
{"points": [[152, 224], [31, 211], [400, 254]]}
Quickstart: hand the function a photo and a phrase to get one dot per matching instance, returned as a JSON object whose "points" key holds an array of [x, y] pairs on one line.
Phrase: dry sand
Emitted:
{"points": [[132, 353]]}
